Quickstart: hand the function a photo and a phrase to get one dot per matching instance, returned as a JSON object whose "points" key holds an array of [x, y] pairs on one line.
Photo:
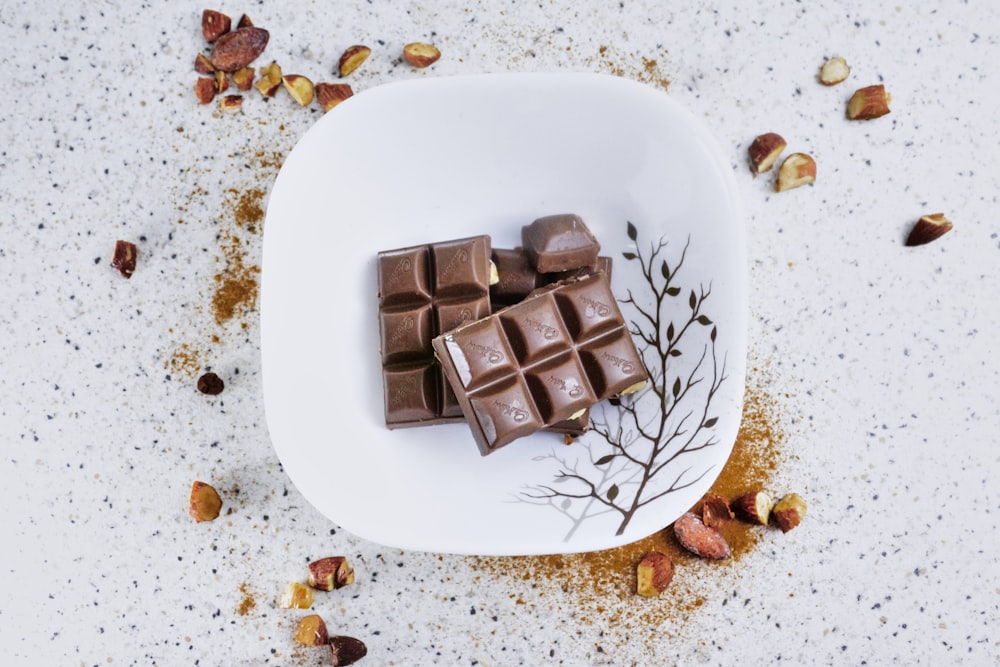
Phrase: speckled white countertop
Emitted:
{"points": [[880, 359]]}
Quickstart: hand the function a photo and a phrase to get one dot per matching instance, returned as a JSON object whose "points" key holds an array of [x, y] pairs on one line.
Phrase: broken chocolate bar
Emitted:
{"points": [[517, 276], [425, 291], [559, 243], [540, 361]]}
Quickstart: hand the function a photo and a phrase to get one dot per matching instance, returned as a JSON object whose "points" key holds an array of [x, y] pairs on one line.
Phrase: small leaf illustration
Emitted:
{"points": [[565, 503], [673, 291], [709, 423], [692, 300], [612, 492], [539, 458], [715, 330], [632, 233], [560, 479], [677, 387], [675, 352], [629, 255], [703, 319], [665, 270], [604, 460], [670, 331]]}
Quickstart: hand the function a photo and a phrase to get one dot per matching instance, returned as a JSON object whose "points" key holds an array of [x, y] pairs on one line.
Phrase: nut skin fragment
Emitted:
{"points": [[715, 510], [214, 25], [764, 151], [244, 22], [311, 631], [753, 507], [330, 95], [789, 511], [205, 503], [352, 58], [202, 65], [296, 595], [928, 228], [237, 49], [243, 78], [653, 574], [797, 170], [834, 71], [300, 88], [221, 82], [699, 539], [868, 102], [270, 80], [346, 650], [329, 573], [124, 258], [204, 89], [420, 54]]}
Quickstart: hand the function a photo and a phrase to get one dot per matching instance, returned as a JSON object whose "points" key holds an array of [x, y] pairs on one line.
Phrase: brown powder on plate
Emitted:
{"points": [[247, 603], [602, 583]]}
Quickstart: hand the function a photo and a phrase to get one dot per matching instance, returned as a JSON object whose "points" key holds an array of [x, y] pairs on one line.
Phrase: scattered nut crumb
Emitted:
{"points": [[231, 102], [764, 151], [346, 650], [797, 170], [270, 80], [789, 511], [296, 595], [205, 503], [203, 65], [214, 25], [653, 574], [868, 102], [352, 58], [243, 78], [204, 88], [300, 88], [329, 573], [834, 71], [715, 510], [753, 507], [330, 95], [699, 539], [124, 258], [928, 228], [311, 631], [211, 384], [420, 54]]}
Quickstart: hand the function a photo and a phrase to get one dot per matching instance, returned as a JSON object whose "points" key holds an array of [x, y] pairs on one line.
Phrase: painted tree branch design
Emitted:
{"points": [[639, 446]]}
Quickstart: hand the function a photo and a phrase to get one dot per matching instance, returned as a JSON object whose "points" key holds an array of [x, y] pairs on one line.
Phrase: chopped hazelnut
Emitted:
{"points": [[311, 631], [205, 503], [789, 511], [753, 507], [352, 58], [797, 170], [330, 95], [204, 88], [764, 151], [346, 650], [124, 258], [420, 54], [329, 573], [231, 102], [297, 596], [868, 102], [270, 80], [929, 228], [834, 71], [300, 88], [243, 78], [214, 24], [653, 574], [203, 65]]}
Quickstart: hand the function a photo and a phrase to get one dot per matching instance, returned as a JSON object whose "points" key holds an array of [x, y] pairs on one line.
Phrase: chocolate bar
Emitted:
{"points": [[425, 291], [540, 361], [517, 276], [559, 243]]}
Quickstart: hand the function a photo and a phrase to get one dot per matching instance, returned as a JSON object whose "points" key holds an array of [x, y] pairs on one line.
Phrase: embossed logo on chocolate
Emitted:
{"points": [[571, 387], [488, 352], [402, 391], [402, 268], [401, 329], [463, 316], [460, 257], [548, 332], [625, 365], [515, 412], [595, 307]]}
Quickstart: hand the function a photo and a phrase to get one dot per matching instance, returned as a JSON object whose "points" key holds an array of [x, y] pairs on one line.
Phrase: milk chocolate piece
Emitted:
{"points": [[559, 243], [518, 277], [540, 361], [425, 291]]}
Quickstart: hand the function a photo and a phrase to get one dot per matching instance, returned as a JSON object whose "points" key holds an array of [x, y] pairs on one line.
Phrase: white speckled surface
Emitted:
{"points": [[883, 356]]}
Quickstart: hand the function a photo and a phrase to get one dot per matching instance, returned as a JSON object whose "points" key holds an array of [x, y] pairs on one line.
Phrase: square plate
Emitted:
{"points": [[435, 159]]}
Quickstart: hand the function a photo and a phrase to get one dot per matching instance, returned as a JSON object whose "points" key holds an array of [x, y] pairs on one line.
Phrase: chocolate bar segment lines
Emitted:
{"points": [[424, 291], [541, 361]]}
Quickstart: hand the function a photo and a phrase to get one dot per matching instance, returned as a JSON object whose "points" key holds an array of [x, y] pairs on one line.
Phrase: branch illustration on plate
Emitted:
{"points": [[638, 447]]}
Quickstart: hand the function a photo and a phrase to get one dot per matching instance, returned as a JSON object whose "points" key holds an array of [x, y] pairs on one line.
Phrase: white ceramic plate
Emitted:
{"points": [[435, 159]]}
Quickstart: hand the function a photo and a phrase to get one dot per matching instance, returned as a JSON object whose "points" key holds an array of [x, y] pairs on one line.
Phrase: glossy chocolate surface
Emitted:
{"points": [[541, 361], [424, 291], [559, 243]]}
